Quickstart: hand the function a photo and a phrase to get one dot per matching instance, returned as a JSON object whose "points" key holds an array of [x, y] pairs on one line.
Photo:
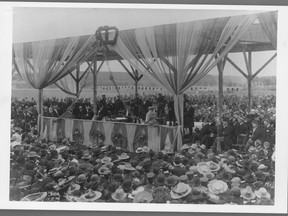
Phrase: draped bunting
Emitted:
{"points": [[78, 132], [84, 132], [268, 22], [178, 55], [97, 133], [108, 127], [42, 63], [140, 137], [131, 130], [86, 127], [119, 136]]}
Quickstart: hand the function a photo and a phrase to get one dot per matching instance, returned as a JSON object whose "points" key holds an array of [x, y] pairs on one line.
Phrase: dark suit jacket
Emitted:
{"points": [[259, 133]]}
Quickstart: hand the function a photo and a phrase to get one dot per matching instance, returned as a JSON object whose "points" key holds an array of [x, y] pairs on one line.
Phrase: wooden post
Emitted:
{"points": [[136, 87], [250, 81], [40, 110], [220, 67], [77, 81], [248, 62], [94, 72], [220, 91]]}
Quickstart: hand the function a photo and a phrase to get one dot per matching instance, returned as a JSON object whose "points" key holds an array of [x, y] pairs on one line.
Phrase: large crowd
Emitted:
{"points": [[228, 160]]}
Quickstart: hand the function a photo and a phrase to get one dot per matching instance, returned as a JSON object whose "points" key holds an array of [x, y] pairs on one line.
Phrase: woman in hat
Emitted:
{"points": [[150, 116]]}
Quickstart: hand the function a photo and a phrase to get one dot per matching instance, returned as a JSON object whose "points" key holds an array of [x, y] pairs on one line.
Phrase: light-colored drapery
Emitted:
{"points": [[179, 55], [268, 22], [42, 63]]}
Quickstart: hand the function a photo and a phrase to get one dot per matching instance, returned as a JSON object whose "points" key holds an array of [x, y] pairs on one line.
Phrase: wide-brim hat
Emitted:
{"points": [[106, 160], [180, 190], [33, 154], [81, 178], [214, 167], [128, 166], [139, 150], [143, 197], [73, 187], [194, 146], [35, 197], [123, 156], [104, 148], [247, 193], [53, 170], [203, 168], [145, 149], [262, 193], [119, 195], [91, 196], [184, 147], [104, 170], [86, 156], [171, 180]]}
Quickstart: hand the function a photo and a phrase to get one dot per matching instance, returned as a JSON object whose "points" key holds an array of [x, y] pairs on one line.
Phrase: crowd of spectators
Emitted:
{"points": [[228, 160]]}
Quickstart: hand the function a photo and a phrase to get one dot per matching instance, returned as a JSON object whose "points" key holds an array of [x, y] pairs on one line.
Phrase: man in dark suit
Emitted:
{"points": [[188, 116], [270, 131], [228, 134], [257, 133]]}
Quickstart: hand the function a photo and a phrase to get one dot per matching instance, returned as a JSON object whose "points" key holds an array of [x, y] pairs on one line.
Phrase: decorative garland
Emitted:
{"points": [[96, 136], [119, 140]]}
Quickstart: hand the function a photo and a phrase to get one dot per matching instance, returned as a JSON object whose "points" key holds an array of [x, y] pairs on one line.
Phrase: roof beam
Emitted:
{"points": [[264, 65], [236, 67]]}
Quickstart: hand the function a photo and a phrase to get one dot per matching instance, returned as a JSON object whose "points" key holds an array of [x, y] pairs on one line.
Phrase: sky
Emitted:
{"points": [[34, 24]]}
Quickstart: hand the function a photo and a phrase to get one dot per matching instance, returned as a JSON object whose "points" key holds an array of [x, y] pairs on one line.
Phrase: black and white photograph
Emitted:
{"points": [[145, 106]]}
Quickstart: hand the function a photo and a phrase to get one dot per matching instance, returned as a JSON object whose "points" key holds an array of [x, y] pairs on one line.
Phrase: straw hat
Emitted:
{"points": [[73, 187], [180, 190], [194, 146], [91, 196], [33, 154], [86, 156], [123, 156], [119, 195], [247, 193], [35, 197], [81, 179], [145, 149], [106, 160], [128, 166], [139, 150], [104, 170], [262, 193], [143, 197], [184, 147], [104, 148]]}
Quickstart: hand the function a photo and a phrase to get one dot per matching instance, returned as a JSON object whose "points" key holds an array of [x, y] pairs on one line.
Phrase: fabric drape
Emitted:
{"points": [[268, 22], [178, 55], [130, 129], [42, 63]]}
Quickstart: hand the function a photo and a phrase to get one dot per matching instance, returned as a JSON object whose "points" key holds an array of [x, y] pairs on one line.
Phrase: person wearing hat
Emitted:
{"points": [[228, 134], [177, 169], [82, 181], [150, 116], [257, 132], [84, 165], [119, 195]]}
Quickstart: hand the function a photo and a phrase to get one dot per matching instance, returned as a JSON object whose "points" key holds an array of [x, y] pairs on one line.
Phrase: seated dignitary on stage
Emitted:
{"points": [[150, 116]]}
